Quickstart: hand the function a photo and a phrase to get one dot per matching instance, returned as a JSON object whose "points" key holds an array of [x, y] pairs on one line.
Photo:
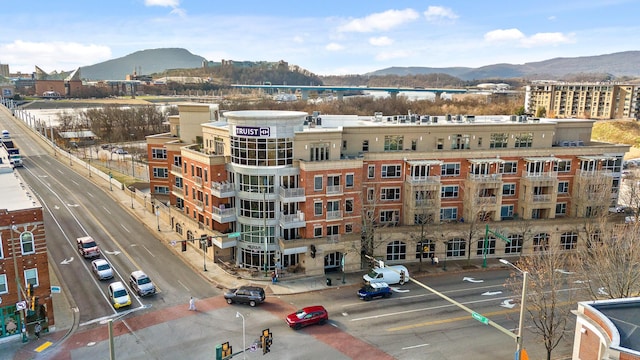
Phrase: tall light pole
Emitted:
{"points": [[525, 275], [244, 343], [158, 216]]}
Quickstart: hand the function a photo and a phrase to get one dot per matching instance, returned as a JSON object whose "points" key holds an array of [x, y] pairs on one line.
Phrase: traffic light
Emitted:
{"points": [[313, 251], [403, 277], [29, 290], [209, 241], [226, 350], [34, 302], [184, 245]]}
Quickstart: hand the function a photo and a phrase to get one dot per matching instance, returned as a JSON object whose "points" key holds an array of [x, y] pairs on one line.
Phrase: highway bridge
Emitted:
{"points": [[340, 90]]}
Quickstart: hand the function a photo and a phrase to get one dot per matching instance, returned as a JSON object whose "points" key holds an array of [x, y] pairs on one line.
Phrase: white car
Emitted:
{"points": [[119, 295], [102, 269]]}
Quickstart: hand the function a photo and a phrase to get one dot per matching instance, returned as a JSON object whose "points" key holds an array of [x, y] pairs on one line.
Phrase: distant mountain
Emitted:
{"points": [[143, 62], [617, 64]]}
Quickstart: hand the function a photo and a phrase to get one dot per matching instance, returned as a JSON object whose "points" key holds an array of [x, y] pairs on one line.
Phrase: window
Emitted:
{"points": [[491, 246], [27, 243], [389, 216], [568, 241], [365, 145], [160, 189], [160, 173], [317, 208], [460, 142], [563, 187], [561, 209], [348, 228], [390, 171], [414, 145], [421, 219], [158, 153], [524, 140], [450, 169], [498, 141], [371, 173], [254, 151], [177, 161], [393, 142], [541, 242], [349, 180], [218, 146], [317, 183], [450, 192], [348, 205], [396, 250], [178, 182], [319, 152], [1, 245], [456, 247], [448, 214], [370, 194], [514, 245], [3, 284], [390, 194], [257, 183], [317, 231], [562, 166], [31, 277], [333, 230], [440, 144], [425, 249], [509, 167], [506, 212], [508, 189]]}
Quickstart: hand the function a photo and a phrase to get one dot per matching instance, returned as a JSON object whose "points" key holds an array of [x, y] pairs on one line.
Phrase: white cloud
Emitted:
{"points": [[380, 41], [334, 47], [551, 18], [380, 21], [298, 39], [390, 55], [503, 35], [65, 56], [438, 13], [535, 40], [163, 3]]}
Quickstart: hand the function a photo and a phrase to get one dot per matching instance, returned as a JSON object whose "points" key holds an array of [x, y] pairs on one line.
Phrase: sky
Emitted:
{"points": [[326, 37]]}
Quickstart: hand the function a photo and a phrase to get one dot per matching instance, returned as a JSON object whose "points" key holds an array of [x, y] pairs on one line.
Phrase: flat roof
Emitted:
{"points": [[16, 195]]}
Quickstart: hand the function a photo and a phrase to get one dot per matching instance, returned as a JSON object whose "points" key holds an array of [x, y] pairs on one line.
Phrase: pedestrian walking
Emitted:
{"points": [[435, 260], [192, 304], [274, 277], [37, 330], [432, 259]]}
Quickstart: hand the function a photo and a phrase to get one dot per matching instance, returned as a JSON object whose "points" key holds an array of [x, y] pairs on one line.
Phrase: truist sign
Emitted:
{"points": [[252, 131]]}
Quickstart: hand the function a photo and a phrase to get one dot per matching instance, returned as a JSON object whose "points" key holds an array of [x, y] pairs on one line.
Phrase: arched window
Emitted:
{"points": [[541, 242], [515, 244], [456, 247], [26, 243], [179, 228], [190, 235], [396, 250], [425, 249], [491, 246], [568, 241]]}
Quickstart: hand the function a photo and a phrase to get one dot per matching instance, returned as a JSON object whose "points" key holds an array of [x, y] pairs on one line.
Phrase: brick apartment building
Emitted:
{"points": [[23, 249], [304, 191]]}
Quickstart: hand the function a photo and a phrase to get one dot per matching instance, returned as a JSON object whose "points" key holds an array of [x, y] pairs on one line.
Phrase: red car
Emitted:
{"points": [[308, 316]]}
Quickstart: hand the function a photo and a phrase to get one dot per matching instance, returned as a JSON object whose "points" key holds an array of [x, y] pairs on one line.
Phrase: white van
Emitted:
{"points": [[389, 274], [5, 134]]}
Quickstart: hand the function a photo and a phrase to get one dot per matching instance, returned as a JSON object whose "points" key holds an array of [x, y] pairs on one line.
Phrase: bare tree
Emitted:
{"points": [[547, 308], [371, 223]]}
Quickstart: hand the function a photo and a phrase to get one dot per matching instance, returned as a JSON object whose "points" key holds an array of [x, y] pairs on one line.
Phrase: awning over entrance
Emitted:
{"points": [[487, 161], [542, 159], [424, 162], [296, 250]]}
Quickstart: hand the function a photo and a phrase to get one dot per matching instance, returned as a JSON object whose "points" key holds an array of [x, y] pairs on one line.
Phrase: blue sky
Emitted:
{"points": [[326, 37]]}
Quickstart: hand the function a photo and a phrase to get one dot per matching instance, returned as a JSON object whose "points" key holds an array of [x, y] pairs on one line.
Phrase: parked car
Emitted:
{"points": [[251, 295], [308, 316], [119, 151], [394, 274], [141, 284], [374, 290], [102, 269], [119, 295]]}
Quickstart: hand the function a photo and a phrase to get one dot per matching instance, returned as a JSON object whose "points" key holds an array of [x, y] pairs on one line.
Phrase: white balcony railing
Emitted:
{"points": [[334, 189], [542, 198], [176, 169], [419, 180], [334, 215], [222, 190]]}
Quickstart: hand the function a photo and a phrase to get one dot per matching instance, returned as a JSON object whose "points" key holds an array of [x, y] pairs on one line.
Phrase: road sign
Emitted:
{"points": [[55, 289], [254, 347], [233, 235], [21, 305], [480, 318]]}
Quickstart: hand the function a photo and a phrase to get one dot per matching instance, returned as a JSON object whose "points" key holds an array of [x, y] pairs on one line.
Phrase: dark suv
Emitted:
{"points": [[251, 295]]}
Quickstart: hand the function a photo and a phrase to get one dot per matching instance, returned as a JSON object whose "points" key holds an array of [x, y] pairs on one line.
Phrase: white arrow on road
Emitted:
{"points": [[57, 207], [561, 271], [508, 304], [491, 293], [65, 261], [470, 279], [112, 252], [398, 290], [73, 205]]}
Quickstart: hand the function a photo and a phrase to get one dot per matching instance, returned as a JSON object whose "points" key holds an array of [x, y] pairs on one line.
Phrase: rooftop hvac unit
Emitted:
{"points": [[434, 119], [514, 118]]}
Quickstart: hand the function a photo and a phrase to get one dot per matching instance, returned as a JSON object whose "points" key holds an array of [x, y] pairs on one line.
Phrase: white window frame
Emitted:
{"points": [[565, 187], [346, 180], [397, 171], [27, 273], [452, 210], [315, 208], [158, 171], [1, 247], [159, 153], [393, 191], [22, 243], [315, 183], [511, 191], [371, 172], [453, 166], [317, 231], [3, 283], [455, 190]]}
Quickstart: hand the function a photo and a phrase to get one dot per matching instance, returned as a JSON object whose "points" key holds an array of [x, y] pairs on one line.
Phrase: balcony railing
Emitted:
{"points": [[424, 202], [486, 200], [222, 190], [176, 169], [549, 175], [485, 177], [197, 180], [420, 180], [199, 205], [333, 239], [177, 192], [292, 195], [542, 198], [334, 189], [334, 215], [223, 215], [291, 221]]}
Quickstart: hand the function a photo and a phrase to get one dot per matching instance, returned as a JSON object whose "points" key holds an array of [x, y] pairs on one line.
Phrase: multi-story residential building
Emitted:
{"points": [[24, 265], [584, 100], [314, 192]]}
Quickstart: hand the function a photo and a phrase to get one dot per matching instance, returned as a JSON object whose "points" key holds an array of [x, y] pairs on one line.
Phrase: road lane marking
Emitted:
{"points": [[125, 228], [150, 253], [44, 346], [107, 210], [414, 346]]}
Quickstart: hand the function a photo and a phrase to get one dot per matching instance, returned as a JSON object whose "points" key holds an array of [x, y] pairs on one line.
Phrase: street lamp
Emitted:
{"points": [[525, 275], [131, 191], [158, 216], [244, 344]]}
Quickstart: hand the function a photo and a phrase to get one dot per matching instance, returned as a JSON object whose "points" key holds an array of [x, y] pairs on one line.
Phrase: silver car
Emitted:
{"points": [[102, 269]]}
